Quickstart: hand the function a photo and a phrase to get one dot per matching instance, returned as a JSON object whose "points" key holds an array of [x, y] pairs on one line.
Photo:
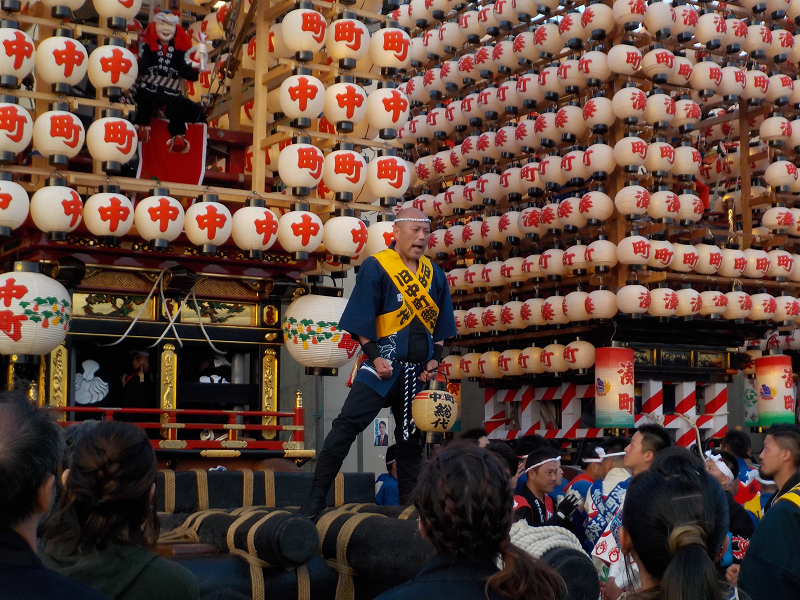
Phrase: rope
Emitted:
{"points": [[269, 488], [303, 583], [202, 328], [202, 489], [169, 490], [345, 589], [693, 424], [171, 323], [247, 487], [338, 490], [324, 523], [406, 514], [189, 531], [538, 540], [144, 305]]}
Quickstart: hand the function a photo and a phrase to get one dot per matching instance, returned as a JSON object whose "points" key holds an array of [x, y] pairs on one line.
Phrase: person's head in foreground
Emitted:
{"points": [[780, 458], [108, 492], [31, 448], [675, 524], [465, 505]]}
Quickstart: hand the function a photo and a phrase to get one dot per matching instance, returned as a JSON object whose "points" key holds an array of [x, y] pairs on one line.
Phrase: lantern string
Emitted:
{"points": [[202, 328], [693, 424], [173, 318], [141, 310]]}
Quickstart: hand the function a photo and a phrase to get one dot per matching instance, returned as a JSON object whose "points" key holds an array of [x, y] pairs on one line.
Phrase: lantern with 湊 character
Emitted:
{"points": [[776, 395], [159, 218], [614, 387], [601, 304], [208, 223], [112, 140], [58, 134], [434, 409], [663, 302], [61, 61], [108, 214], [300, 231], [255, 228]]}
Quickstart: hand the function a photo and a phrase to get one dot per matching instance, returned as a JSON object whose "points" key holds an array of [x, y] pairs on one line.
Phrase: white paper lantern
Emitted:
{"points": [[530, 360], [58, 133], [17, 131], [300, 231], [304, 31], [575, 306], [764, 307], [473, 321], [734, 262], [19, 57], [344, 236], [159, 219], [758, 263], [387, 176], [254, 229], [779, 174], [347, 39], [508, 363], [662, 253], [208, 224], [663, 302], [108, 214], [387, 110], [113, 141], [14, 205], [593, 67], [553, 312], [787, 309], [691, 208], [450, 367], [714, 302], [738, 306], [511, 315], [312, 334], [596, 205], [56, 209], [687, 115], [709, 259], [301, 165], [601, 304], [633, 299], [601, 254], [660, 158], [633, 250], [658, 64], [689, 302], [552, 358], [599, 159], [113, 67], [469, 364], [579, 355], [491, 318], [599, 114], [551, 262], [780, 263], [660, 110], [624, 59], [61, 60], [530, 266], [32, 325], [630, 151], [629, 104]]}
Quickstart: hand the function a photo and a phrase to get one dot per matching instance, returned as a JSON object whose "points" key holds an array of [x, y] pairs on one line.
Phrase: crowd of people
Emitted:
{"points": [[77, 517]]}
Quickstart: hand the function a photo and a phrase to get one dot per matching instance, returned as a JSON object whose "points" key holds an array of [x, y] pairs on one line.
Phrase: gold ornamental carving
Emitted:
{"points": [[269, 390], [172, 444], [233, 444], [58, 379], [168, 391]]}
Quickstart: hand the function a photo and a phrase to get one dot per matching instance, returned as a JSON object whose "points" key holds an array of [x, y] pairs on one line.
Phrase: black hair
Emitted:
{"points": [[381, 422], [676, 515], [71, 436], [391, 456], [737, 443], [528, 443], [541, 454], [588, 450], [465, 503], [787, 436], [504, 451], [474, 434], [729, 460], [615, 444], [31, 448], [654, 438]]}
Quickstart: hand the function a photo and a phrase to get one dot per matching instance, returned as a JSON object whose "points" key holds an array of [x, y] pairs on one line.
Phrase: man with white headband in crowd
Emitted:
{"points": [[606, 495], [533, 504], [401, 313]]}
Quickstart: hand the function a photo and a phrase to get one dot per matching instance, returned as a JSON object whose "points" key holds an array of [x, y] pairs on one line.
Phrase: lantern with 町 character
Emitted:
{"points": [[58, 134], [614, 387], [776, 395], [434, 409], [16, 128], [112, 140]]}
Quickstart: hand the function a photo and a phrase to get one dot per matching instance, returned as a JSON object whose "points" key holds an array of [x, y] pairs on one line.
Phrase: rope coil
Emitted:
{"points": [[536, 541]]}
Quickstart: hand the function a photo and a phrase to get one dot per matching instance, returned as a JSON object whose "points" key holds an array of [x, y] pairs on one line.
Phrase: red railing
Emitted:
{"points": [[170, 424]]}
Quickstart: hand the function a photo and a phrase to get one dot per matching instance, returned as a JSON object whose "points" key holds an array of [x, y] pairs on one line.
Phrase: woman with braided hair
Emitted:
{"points": [[465, 504], [105, 526], [674, 526]]}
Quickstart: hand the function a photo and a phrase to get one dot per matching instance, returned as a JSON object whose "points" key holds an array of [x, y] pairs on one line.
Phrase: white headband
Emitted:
{"points": [[166, 17], [717, 460], [539, 464], [410, 220], [602, 456]]}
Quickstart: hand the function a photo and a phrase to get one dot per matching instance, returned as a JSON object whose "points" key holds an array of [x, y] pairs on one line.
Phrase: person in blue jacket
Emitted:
{"points": [[388, 493]]}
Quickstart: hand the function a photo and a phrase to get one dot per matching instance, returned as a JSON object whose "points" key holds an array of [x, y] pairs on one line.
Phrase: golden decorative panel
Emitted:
{"points": [[269, 390], [228, 288], [119, 280], [168, 391], [59, 365], [214, 313], [120, 306]]}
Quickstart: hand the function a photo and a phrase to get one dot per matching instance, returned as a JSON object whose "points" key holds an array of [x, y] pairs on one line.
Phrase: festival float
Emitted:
{"points": [[612, 188]]}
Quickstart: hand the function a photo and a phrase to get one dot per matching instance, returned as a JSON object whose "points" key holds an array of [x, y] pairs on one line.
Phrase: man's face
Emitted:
{"points": [[636, 458], [382, 428], [544, 479], [411, 239], [713, 470], [141, 364], [165, 31], [772, 458]]}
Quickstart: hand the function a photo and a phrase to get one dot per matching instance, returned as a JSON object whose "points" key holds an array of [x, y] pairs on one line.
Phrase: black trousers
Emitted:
{"points": [[359, 411], [178, 110]]}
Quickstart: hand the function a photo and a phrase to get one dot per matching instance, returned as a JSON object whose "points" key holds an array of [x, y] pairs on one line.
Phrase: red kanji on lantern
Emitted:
{"points": [[390, 169], [641, 247], [626, 402], [73, 207], [548, 313], [303, 92], [117, 132], [116, 64], [395, 41], [12, 122], [439, 165], [644, 300], [745, 302], [210, 221], [310, 159], [305, 229], [359, 234], [314, 24], [788, 403], [113, 213], [163, 213], [488, 318], [626, 373], [663, 255], [10, 291], [69, 57], [640, 148], [634, 59], [11, 324], [346, 164], [20, 48], [540, 36], [346, 31], [350, 99], [395, 104], [64, 126]]}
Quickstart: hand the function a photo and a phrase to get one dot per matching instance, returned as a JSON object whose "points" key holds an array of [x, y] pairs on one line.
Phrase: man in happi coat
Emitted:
{"points": [[401, 313]]}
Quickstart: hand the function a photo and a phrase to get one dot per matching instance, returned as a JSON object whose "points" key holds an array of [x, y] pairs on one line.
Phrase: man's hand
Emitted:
{"points": [[732, 574], [383, 367], [429, 372]]}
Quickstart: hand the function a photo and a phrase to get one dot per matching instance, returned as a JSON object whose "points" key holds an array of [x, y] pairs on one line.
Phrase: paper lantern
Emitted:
{"points": [[614, 387], [632, 200], [530, 221], [547, 40], [660, 110], [492, 319], [531, 312], [492, 273], [689, 302], [776, 396], [58, 135], [758, 263], [38, 312], [62, 62], [764, 307], [344, 236], [710, 30], [687, 161], [112, 141], [662, 253], [787, 309], [629, 104], [601, 304], [709, 259], [112, 68], [600, 160], [660, 158], [780, 174], [633, 299], [579, 355], [569, 215], [208, 224], [624, 59], [732, 84], [389, 48], [706, 77], [553, 311], [488, 365], [602, 255], [345, 172], [159, 219], [659, 19], [458, 315], [450, 367], [308, 29], [575, 306], [387, 110], [685, 23], [596, 206], [345, 104], [633, 250], [303, 97], [598, 114], [17, 131], [593, 67], [473, 322], [756, 84], [551, 262], [300, 166], [254, 228], [530, 360], [663, 302], [434, 409], [107, 214], [56, 209], [511, 315], [387, 177], [687, 115], [713, 302], [630, 152], [738, 305], [691, 208], [347, 41], [552, 358], [686, 257], [380, 235], [19, 57], [734, 262], [312, 334], [780, 263], [658, 64], [508, 363]]}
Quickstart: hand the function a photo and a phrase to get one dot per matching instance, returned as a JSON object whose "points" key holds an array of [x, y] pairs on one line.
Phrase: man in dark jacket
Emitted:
{"points": [[31, 449]]}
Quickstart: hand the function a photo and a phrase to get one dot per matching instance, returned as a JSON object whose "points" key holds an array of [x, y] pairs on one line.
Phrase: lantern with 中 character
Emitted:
{"points": [[108, 214], [14, 204], [61, 61], [775, 388], [16, 129], [345, 104], [117, 12], [113, 68], [614, 387], [159, 218], [302, 97], [387, 110], [313, 337], [36, 312], [300, 231], [208, 223], [380, 235], [344, 236], [56, 209], [255, 228], [17, 55], [112, 140], [58, 134], [434, 409]]}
